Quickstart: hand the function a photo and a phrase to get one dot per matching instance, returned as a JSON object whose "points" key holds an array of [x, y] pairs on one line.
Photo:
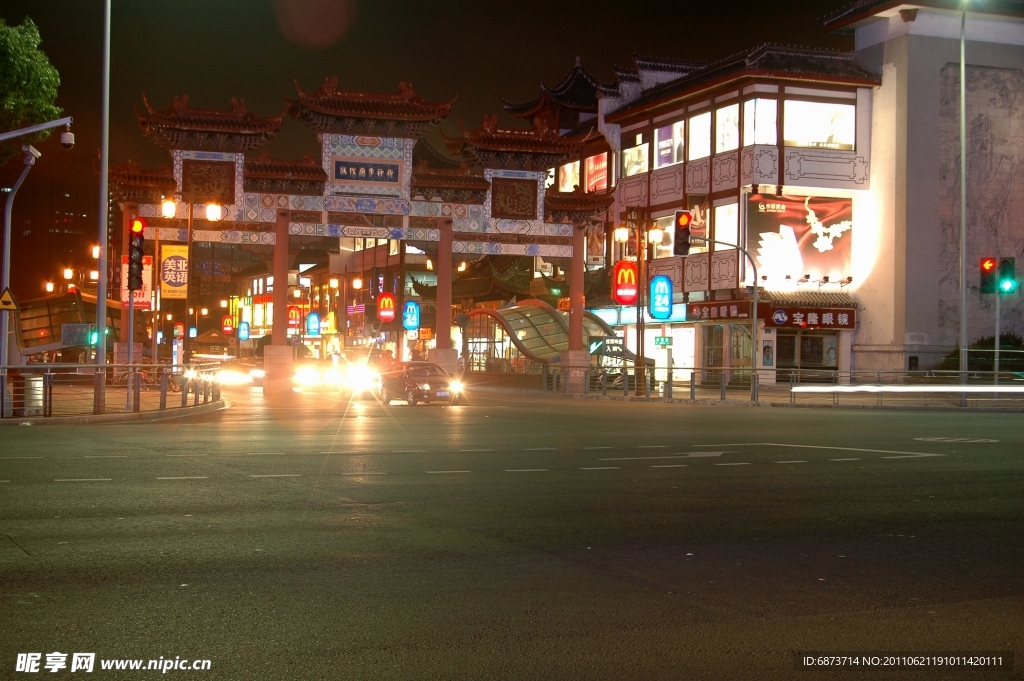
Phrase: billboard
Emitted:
{"points": [[796, 236], [173, 272], [143, 296], [660, 304], [597, 172]]}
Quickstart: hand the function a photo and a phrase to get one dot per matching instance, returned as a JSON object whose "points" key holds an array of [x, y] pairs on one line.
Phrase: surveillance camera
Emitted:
{"points": [[29, 149], [67, 139]]}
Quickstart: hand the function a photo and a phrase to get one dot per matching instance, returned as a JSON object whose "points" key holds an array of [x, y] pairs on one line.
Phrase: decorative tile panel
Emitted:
{"points": [[696, 272], [670, 267], [632, 191], [698, 177], [725, 268], [845, 170], [725, 170], [667, 185]]}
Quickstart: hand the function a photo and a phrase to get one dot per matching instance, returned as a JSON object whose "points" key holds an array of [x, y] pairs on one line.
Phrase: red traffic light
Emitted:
{"points": [[988, 264], [138, 226], [683, 219]]}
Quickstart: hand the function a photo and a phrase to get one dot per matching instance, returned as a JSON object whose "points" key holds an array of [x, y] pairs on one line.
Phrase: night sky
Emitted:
{"points": [[213, 50]]}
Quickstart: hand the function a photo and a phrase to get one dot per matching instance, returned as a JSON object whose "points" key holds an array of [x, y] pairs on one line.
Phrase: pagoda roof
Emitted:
{"points": [[766, 61], [491, 277], [538, 147], [328, 106], [577, 90], [425, 152], [265, 168], [181, 126], [575, 206], [130, 182], [453, 185], [857, 12]]}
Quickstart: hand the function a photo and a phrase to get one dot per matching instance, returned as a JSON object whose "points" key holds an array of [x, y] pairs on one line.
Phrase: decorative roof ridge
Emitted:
{"points": [[859, 10], [675, 65], [265, 158], [180, 108], [405, 95]]}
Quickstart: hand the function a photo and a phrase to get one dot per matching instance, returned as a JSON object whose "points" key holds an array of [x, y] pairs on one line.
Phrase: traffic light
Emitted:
{"points": [[136, 240], [1007, 276], [989, 267], [681, 245]]}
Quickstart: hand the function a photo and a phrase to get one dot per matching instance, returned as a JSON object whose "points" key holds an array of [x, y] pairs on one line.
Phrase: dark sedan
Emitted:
{"points": [[417, 382]]}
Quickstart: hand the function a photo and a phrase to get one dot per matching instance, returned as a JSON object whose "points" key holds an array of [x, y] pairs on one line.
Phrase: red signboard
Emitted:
{"points": [[811, 317], [624, 283], [386, 307], [179, 329], [597, 173], [227, 325], [294, 317]]}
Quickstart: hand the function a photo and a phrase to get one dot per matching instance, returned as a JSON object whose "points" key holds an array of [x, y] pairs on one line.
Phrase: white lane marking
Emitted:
{"points": [[953, 439], [845, 449], [476, 450], [81, 479], [20, 457], [526, 470], [441, 472], [277, 475], [602, 468], [597, 448], [652, 447], [790, 462], [106, 456], [188, 477], [912, 456], [4, 480], [364, 474], [733, 464], [540, 449], [908, 389], [691, 455], [671, 465], [188, 455], [854, 459]]}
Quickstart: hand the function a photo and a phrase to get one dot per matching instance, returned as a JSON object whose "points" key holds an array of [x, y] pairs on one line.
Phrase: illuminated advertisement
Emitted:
{"points": [[569, 177], [624, 283], [243, 331], [660, 306], [668, 141], [819, 125], [634, 160], [794, 236], [597, 172], [700, 136], [760, 122], [173, 272], [727, 128], [411, 315], [386, 307], [313, 324]]}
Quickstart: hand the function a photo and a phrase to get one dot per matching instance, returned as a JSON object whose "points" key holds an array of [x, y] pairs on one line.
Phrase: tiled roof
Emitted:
{"points": [[771, 61], [577, 90], [405, 105], [576, 202], [425, 152], [129, 174], [180, 116], [460, 178], [669, 65], [809, 298], [266, 168], [489, 137], [860, 10]]}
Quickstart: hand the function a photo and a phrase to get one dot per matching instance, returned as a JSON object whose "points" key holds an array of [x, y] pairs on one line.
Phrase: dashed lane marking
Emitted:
{"points": [[20, 457], [4, 480], [188, 477], [276, 475], [953, 439], [81, 479], [106, 456], [912, 456], [526, 470], [733, 464], [602, 468], [844, 449], [671, 465], [790, 462], [188, 455], [691, 455]]}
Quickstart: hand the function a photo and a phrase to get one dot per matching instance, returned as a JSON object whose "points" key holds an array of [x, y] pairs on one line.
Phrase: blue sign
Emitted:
{"points": [[243, 331], [660, 306], [411, 315], [313, 324]]}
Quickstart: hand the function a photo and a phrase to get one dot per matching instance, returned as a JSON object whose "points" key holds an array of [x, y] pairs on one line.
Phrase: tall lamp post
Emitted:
{"points": [[636, 222]]}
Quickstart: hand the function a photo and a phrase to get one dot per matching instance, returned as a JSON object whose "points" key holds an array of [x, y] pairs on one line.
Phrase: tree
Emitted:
{"points": [[28, 84]]}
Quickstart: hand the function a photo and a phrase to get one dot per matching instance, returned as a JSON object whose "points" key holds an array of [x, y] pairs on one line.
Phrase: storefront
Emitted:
{"points": [[681, 334]]}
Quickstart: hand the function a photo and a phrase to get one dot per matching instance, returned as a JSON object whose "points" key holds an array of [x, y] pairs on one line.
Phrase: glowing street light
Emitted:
{"points": [[357, 283], [622, 234], [213, 212], [49, 287], [168, 208], [96, 252], [223, 303]]}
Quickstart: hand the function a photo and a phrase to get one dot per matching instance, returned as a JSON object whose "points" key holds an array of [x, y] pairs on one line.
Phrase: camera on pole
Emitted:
{"points": [[136, 241]]}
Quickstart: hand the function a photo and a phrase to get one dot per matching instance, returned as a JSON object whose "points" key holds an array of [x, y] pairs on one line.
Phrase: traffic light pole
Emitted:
{"points": [[996, 356]]}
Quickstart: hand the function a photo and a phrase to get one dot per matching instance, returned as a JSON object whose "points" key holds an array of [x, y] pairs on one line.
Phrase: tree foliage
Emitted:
{"points": [[28, 84]]}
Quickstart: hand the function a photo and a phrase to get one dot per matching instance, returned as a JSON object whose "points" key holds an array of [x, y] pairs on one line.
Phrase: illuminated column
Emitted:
{"points": [[278, 356], [444, 354], [576, 301]]}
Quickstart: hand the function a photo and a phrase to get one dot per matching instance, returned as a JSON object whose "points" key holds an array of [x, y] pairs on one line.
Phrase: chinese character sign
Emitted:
{"points": [[411, 315], [173, 272], [660, 306]]}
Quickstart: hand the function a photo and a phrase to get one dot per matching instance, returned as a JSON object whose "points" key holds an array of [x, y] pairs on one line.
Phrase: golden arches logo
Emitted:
{"points": [[387, 302], [626, 275]]}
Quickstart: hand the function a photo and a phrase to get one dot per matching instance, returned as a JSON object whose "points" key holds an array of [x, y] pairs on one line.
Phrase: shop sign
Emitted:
{"points": [[294, 317], [719, 310], [660, 306], [411, 315], [313, 324], [173, 272], [243, 331], [143, 296], [386, 307], [624, 283], [811, 318], [227, 325], [360, 308], [663, 341]]}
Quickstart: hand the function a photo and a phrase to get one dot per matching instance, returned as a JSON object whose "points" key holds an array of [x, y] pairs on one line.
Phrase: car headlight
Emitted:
{"points": [[307, 376], [455, 386], [361, 378], [257, 373], [232, 377], [190, 373]]}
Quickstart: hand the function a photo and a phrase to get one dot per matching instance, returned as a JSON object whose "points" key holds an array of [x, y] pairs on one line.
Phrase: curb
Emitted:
{"points": [[88, 419]]}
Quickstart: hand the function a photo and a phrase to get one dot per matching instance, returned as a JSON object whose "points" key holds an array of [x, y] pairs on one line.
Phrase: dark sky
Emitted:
{"points": [[481, 50]]}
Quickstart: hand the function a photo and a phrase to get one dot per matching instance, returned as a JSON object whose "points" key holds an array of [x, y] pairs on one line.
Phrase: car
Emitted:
{"points": [[417, 382]]}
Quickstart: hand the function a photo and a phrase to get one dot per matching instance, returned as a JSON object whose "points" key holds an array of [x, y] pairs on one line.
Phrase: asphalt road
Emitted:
{"points": [[513, 538]]}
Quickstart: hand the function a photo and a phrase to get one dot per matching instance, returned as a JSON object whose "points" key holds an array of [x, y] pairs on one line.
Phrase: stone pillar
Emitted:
{"points": [[128, 211], [278, 356], [444, 354], [576, 359]]}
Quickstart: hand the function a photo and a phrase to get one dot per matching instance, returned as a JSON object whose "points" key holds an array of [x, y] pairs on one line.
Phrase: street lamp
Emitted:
{"points": [[637, 217], [96, 252], [168, 208], [213, 212], [69, 274], [223, 303], [48, 286]]}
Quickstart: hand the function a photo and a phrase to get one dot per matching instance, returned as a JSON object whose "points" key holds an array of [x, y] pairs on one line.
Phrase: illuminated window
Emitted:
{"points": [[634, 160], [569, 177], [819, 125], [727, 128], [700, 136], [550, 179], [667, 225], [760, 122], [669, 144], [597, 172], [727, 225]]}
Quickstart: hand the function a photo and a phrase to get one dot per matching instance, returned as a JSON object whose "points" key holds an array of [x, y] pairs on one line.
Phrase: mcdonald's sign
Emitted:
{"points": [[660, 303], [386, 307], [624, 284]]}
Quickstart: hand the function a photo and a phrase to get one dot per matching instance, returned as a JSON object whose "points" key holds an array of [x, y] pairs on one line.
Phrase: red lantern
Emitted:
{"points": [[624, 282], [386, 307]]}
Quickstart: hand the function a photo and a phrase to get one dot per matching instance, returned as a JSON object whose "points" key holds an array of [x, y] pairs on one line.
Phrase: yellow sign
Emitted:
{"points": [[7, 302], [173, 272]]}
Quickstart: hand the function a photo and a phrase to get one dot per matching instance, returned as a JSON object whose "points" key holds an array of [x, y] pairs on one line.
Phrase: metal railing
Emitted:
{"points": [[52, 390]]}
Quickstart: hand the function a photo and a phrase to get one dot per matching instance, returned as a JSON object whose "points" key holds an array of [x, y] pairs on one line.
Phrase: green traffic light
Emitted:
{"points": [[1008, 286]]}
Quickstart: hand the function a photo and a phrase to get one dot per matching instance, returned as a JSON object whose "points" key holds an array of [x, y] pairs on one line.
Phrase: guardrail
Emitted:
{"points": [[52, 390]]}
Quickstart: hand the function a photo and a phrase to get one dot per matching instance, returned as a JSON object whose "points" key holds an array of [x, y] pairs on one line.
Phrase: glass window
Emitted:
{"points": [[727, 128], [700, 136], [569, 177], [550, 179], [820, 125], [760, 122], [668, 142], [634, 160], [664, 249], [727, 225], [597, 172]]}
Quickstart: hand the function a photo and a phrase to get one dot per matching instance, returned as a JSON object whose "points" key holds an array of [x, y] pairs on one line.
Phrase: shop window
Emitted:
{"points": [[569, 177], [727, 128], [819, 125], [669, 144], [634, 160], [668, 228], [727, 225], [597, 172], [700, 136], [741, 344], [760, 122], [394, 247], [550, 179], [713, 345]]}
